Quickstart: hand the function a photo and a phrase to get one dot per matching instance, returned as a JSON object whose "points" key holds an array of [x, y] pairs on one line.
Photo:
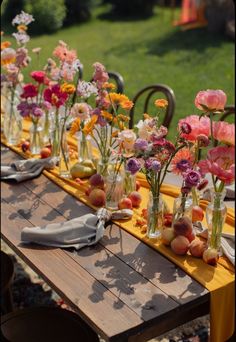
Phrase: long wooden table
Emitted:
{"points": [[122, 288]]}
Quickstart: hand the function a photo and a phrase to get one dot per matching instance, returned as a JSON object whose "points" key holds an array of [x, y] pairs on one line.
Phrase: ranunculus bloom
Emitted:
{"points": [[133, 165], [81, 110], [38, 76], [55, 96], [211, 100], [224, 132], [192, 178], [198, 126], [220, 162], [29, 90], [127, 137]]}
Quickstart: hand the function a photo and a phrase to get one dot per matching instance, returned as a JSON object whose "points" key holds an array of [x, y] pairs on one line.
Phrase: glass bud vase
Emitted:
{"points": [[129, 182], [12, 124], [46, 128], [55, 137], [215, 215], [84, 147], [64, 156], [103, 166], [36, 138], [182, 207], [155, 215], [114, 188]]}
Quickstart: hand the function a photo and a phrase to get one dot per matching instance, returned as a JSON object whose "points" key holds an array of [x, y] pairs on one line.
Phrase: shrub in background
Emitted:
{"points": [[9, 9], [77, 11], [132, 7]]}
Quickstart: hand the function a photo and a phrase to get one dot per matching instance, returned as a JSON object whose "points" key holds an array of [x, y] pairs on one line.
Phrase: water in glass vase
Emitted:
{"points": [[114, 189], [36, 138], [155, 212]]}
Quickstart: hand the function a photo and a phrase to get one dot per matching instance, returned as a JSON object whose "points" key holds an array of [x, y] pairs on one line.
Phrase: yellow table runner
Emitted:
{"points": [[219, 280]]}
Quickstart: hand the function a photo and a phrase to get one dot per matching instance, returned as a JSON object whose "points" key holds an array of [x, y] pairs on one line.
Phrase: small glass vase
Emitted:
{"points": [[55, 137], [182, 207], [114, 188], [47, 129], [129, 182], [215, 215], [36, 138], [84, 147], [103, 166], [64, 156], [155, 216], [12, 124]]}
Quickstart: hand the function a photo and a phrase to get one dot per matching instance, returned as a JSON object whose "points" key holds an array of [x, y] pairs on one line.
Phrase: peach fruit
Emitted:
{"points": [[97, 181], [191, 236], [167, 235], [125, 203], [25, 146], [135, 198], [197, 247], [210, 256], [183, 226], [97, 197], [180, 245], [197, 213], [45, 152]]}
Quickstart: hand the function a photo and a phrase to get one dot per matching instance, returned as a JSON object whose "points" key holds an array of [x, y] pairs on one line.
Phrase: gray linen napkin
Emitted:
{"points": [[82, 231], [22, 170]]}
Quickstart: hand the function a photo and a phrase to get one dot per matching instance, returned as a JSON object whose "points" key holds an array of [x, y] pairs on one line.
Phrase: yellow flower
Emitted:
{"points": [[108, 85], [5, 45], [161, 103], [68, 88], [22, 27], [127, 104], [107, 115], [88, 128], [75, 126], [117, 99]]}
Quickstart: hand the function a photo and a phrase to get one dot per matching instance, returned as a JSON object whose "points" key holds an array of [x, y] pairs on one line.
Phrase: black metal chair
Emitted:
{"points": [[7, 274], [229, 110], [149, 91]]}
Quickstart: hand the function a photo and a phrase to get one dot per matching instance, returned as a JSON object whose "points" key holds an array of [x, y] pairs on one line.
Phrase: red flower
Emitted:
{"points": [[38, 76], [55, 96], [29, 90]]}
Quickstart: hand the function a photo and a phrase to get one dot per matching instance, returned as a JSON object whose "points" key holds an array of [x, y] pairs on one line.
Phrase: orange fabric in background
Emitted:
{"points": [[219, 280]]}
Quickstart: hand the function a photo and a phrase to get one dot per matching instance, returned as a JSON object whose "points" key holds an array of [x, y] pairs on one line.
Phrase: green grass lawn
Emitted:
{"points": [[150, 51]]}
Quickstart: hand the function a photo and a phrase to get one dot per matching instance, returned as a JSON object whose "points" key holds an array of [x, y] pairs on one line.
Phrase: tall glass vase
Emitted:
{"points": [[114, 188], [84, 147], [182, 207], [36, 138], [55, 136], [215, 215], [64, 156], [12, 123], [155, 212], [103, 166], [46, 128], [129, 182]]}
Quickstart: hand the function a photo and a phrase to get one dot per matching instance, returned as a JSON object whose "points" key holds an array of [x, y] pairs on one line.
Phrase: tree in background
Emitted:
{"points": [[77, 11], [132, 7]]}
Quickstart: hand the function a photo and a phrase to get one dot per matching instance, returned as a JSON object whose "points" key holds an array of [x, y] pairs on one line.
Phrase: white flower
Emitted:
{"points": [[81, 110], [21, 37], [145, 129], [23, 18], [127, 137], [86, 89]]}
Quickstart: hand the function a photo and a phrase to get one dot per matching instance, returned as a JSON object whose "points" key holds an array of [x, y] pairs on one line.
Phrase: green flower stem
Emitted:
{"points": [[62, 144], [194, 195]]}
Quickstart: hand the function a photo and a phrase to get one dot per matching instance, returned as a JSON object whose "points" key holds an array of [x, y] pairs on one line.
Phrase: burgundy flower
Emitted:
{"points": [[203, 140], [185, 128], [29, 90], [202, 184]]}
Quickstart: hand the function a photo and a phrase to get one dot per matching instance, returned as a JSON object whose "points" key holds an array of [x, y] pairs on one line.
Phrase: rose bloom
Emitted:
{"points": [[220, 162], [29, 90], [127, 138], [192, 178], [133, 165], [212, 100], [224, 132], [182, 161], [38, 76], [81, 110], [198, 126]]}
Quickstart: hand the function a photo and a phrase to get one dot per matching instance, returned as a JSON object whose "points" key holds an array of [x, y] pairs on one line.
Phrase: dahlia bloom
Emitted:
{"points": [[224, 132], [182, 161], [220, 162], [210, 100], [198, 126]]}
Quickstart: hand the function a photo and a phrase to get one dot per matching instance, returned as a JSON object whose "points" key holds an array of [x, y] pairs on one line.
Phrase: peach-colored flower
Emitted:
{"points": [[221, 163], [5, 44], [8, 56], [64, 54], [198, 126], [182, 161], [161, 103], [210, 100], [127, 138], [75, 126], [224, 132], [127, 104], [81, 110]]}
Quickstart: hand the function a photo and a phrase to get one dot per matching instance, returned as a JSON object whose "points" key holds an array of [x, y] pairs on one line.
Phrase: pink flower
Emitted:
{"points": [[100, 75], [224, 132], [220, 162], [29, 90], [198, 126], [81, 110], [210, 100], [38, 76], [64, 54], [55, 96]]}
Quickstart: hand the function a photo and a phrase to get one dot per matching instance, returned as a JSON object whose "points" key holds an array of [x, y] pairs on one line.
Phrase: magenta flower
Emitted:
{"points": [[29, 91], [221, 163], [210, 100], [133, 165], [192, 178], [55, 96], [198, 126], [38, 76]]}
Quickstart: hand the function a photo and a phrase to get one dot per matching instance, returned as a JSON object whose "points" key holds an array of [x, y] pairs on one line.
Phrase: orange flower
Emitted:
{"points": [[108, 85], [117, 99], [161, 103], [182, 161], [123, 117], [127, 104], [88, 128], [75, 126], [107, 115], [68, 88], [5, 45], [115, 134], [22, 28]]}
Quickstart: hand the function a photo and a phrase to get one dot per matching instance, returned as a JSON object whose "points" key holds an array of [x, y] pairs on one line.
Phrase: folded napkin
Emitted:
{"points": [[82, 231], [22, 170]]}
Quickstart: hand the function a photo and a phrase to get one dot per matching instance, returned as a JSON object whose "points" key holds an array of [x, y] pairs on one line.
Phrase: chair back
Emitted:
{"points": [[229, 110], [146, 93], [113, 75]]}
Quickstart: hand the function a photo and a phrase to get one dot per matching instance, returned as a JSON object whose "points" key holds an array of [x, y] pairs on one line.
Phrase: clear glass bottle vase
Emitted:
{"points": [[12, 124], [64, 156], [129, 182], [84, 147], [36, 138], [155, 215], [182, 207], [114, 188], [215, 215]]}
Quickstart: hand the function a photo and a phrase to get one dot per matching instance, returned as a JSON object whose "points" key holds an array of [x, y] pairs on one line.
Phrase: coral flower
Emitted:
{"points": [[198, 126], [210, 100], [182, 161], [5, 45], [224, 132], [161, 103], [220, 162], [55, 96]]}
